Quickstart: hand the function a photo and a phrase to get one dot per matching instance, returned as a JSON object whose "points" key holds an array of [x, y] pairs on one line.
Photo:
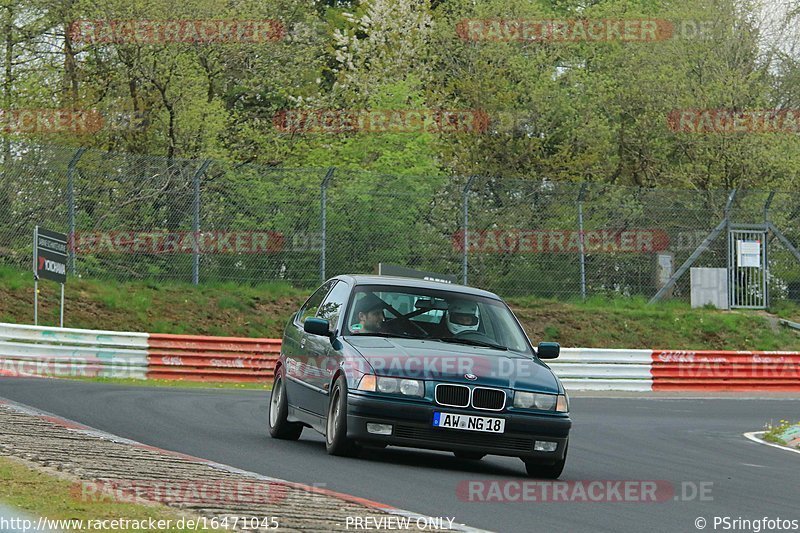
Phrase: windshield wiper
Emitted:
{"points": [[389, 335], [472, 342]]}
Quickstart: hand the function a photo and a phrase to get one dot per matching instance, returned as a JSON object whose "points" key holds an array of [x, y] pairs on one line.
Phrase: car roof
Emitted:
{"points": [[414, 283]]}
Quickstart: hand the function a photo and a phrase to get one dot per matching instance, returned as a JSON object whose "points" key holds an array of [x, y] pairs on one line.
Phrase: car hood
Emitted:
{"points": [[439, 361]]}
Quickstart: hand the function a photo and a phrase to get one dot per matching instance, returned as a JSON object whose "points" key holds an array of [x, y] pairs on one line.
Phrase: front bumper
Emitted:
{"points": [[412, 427]]}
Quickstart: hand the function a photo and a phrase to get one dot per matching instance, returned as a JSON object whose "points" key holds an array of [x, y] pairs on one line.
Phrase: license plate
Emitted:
{"points": [[469, 422]]}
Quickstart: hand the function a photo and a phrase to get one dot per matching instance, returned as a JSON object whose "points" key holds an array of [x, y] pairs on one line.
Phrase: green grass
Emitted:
{"points": [[38, 494], [229, 309], [788, 310], [774, 432], [633, 323], [229, 302], [174, 307]]}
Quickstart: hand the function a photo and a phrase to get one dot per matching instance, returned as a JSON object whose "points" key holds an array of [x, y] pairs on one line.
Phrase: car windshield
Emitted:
{"points": [[431, 314]]}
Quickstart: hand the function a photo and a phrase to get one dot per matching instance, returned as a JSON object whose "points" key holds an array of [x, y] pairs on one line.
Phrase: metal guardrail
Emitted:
{"points": [[72, 336], [604, 369], [789, 323], [44, 351], [711, 370], [196, 358], [678, 370], [56, 352]]}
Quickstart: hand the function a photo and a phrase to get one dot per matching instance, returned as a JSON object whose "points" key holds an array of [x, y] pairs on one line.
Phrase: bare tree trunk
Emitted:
{"points": [[8, 72], [70, 64]]}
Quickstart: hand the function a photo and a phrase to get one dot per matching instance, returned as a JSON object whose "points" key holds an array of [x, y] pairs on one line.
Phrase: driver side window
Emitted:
{"points": [[332, 308], [311, 306]]}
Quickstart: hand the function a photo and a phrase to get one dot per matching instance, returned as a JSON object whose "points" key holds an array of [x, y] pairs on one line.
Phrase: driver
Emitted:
{"points": [[462, 315], [370, 314]]}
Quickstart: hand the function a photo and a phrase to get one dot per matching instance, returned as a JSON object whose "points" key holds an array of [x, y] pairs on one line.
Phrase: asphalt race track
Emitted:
{"points": [[686, 442]]}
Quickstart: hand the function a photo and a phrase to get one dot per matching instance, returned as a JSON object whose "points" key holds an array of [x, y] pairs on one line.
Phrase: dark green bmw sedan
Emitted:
{"points": [[389, 361]]}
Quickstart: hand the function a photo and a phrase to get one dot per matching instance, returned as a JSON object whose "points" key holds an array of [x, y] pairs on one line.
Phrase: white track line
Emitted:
{"points": [[752, 436]]}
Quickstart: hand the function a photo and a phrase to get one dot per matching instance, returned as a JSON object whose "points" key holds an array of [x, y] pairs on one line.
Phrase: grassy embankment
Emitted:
{"points": [[35, 493], [262, 311]]}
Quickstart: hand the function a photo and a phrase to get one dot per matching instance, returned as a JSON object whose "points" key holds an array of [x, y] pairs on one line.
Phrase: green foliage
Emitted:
{"points": [[561, 110]]}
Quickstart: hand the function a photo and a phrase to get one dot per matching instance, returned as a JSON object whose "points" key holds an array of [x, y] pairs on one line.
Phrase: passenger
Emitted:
{"points": [[462, 316]]}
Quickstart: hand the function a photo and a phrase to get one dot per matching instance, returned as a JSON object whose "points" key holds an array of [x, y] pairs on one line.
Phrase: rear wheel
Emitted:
{"points": [[472, 456], [336, 441], [279, 426]]}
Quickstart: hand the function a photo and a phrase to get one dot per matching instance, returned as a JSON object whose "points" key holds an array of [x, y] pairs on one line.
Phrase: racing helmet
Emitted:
{"points": [[462, 315]]}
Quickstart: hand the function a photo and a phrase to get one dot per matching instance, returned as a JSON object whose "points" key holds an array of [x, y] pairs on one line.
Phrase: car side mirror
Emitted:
{"points": [[317, 326], [548, 350]]}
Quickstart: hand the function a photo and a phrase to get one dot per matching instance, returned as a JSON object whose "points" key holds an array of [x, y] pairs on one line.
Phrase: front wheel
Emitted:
{"points": [[540, 471], [279, 426], [336, 441]]}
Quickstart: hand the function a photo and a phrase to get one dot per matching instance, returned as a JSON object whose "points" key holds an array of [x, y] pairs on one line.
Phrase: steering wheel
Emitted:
{"points": [[467, 333]]}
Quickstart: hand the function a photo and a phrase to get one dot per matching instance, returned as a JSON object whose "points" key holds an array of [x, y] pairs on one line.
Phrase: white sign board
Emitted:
{"points": [[748, 253], [666, 264], [709, 286]]}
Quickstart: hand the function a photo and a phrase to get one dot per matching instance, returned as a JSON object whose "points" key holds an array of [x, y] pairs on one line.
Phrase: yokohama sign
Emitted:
{"points": [[563, 241]]}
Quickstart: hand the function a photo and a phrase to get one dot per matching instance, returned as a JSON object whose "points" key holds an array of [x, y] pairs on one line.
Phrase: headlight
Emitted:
{"points": [[412, 387], [543, 402], [388, 385], [406, 387]]}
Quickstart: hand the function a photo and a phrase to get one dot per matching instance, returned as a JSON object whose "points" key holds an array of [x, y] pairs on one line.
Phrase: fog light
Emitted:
{"points": [[379, 429], [545, 446]]}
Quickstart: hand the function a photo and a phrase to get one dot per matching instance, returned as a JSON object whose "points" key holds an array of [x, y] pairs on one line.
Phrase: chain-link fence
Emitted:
{"points": [[139, 217]]}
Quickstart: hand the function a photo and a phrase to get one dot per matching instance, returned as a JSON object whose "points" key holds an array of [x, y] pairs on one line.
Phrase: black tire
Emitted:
{"points": [[336, 441], [545, 471], [472, 456], [279, 426]]}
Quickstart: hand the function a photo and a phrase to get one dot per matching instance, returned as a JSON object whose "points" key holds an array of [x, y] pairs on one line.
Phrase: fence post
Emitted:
{"points": [[71, 209], [582, 240], [730, 251], [465, 253], [196, 222], [324, 221], [767, 206]]}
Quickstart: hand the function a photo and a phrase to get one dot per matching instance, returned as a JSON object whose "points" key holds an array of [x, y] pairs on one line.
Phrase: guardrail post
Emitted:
{"points": [[71, 208], [465, 252], [324, 221], [582, 241], [196, 222]]}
